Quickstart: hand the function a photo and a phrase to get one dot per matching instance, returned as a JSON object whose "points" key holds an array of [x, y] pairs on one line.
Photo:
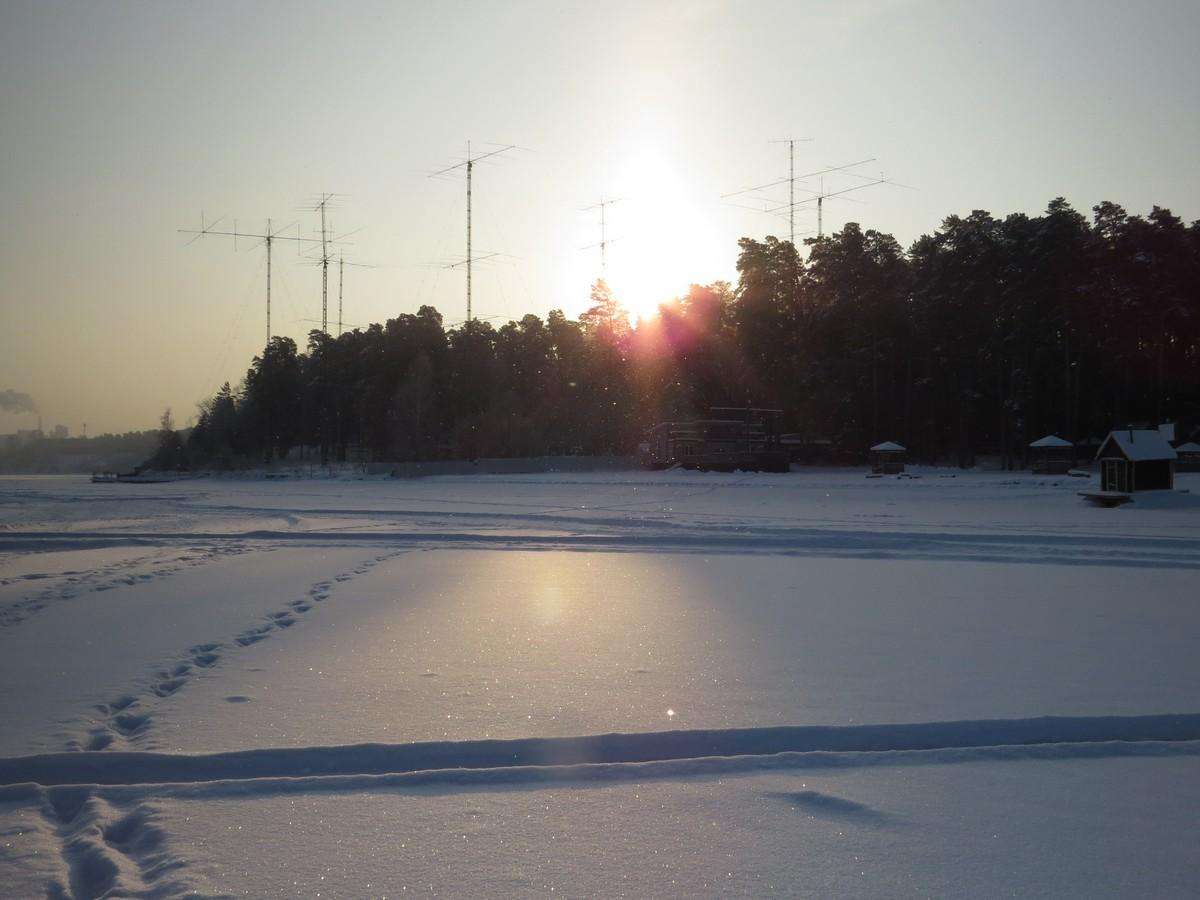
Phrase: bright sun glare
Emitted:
{"points": [[661, 234]]}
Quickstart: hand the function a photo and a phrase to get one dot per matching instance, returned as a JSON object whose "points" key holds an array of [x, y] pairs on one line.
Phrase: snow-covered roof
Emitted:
{"points": [[1051, 440], [1139, 444], [1189, 447], [888, 446]]}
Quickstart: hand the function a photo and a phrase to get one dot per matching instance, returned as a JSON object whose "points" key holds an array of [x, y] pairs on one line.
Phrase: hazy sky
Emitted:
{"points": [[121, 122]]}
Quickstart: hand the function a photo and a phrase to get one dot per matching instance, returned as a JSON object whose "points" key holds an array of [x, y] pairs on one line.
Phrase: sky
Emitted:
{"points": [[122, 123]]}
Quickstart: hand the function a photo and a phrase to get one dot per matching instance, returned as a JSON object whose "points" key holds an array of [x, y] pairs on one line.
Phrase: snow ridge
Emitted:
{"points": [[125, 767], [1054, 549]]}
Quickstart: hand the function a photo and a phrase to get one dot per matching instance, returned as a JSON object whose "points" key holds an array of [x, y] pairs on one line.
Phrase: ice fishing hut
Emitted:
{"points": [[887, 458], [1136, 459], [1051, 455], [1188, 457]]}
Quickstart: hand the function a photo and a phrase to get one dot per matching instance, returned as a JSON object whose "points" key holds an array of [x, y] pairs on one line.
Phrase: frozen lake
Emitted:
{"points": [[309, 616]]}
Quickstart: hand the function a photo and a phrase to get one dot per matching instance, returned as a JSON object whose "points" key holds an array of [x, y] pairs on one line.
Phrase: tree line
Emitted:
{"points": [[104, 452], [981, 337]]}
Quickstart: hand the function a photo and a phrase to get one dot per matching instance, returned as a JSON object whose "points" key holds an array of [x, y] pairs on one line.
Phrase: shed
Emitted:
{"points": [[887, 458], [1051, 455], [1136, 459], [1189, 457]]}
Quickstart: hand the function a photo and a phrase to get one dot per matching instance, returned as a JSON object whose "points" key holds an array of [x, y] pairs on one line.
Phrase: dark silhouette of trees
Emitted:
{"points": [[170, 453], [984, 335], [216, 436], [857, 337], [275, 401]]}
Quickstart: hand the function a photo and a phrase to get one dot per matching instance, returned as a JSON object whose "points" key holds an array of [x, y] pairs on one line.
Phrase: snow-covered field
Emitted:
{"points": [[619, 684]]}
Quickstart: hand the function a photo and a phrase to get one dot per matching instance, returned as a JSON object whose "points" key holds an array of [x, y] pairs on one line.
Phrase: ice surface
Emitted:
{"points": [[237, 616], [979, 829], [84, 670], [469, 644]]}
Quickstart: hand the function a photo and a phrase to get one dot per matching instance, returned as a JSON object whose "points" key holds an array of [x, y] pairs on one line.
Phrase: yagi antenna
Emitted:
{"points": [[790, 181], [818, 196], [770, 184], [268, 238], [469, 164], [327, 240], [822, 195]]}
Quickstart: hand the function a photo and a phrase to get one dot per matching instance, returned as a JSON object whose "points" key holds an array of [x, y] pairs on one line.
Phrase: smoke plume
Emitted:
{"points": [[16, 402]]}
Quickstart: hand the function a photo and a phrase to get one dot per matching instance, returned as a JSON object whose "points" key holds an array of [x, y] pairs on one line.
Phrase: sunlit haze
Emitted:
{"points": [[124, 122]]}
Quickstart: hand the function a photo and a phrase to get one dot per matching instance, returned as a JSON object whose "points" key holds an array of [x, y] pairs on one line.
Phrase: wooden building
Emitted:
{"points": [[1051, 455], [1136, 459], [1189, 457], [887, 458]]}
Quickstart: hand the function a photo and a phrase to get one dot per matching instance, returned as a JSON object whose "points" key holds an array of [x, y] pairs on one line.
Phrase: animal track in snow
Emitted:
{"points": [[72, 584], [101, 739], [128, 718], [170, 686], [130, 723]]}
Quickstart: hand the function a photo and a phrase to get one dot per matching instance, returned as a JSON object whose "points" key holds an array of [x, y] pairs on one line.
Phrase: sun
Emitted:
{"points": [[660, 232]]}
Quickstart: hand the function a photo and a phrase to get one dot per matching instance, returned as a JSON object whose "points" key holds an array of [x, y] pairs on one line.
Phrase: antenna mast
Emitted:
{"points": [[324, 201], [342, 263], [791, 180], [820, 210], [604, 241], [268, 238], [470, 166]]}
